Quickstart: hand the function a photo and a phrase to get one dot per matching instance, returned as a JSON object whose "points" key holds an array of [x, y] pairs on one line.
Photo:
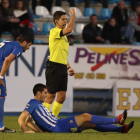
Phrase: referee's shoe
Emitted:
{"points": [[7, 130]]}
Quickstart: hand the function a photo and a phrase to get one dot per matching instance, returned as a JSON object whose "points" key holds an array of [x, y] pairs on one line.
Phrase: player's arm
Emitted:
{"points": [[6, 66], [70, 70], [30, 124], [71, 23], [21, 121]]}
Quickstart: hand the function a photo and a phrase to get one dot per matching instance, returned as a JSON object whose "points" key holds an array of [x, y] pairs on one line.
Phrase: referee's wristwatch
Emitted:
{"points": [[1, 77]]}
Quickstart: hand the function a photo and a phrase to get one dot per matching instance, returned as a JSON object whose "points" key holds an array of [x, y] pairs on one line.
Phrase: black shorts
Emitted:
{"points": [[56, 77]]}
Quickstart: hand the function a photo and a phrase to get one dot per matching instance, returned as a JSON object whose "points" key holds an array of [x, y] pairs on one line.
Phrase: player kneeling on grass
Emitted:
{"points": [[46, 122]]}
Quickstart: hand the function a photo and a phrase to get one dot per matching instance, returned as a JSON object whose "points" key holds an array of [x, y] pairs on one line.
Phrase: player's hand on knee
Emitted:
{"points": [[71, 71], [29, 132], [2, 83]]}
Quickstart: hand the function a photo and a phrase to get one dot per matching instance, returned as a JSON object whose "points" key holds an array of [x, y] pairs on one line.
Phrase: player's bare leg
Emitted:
{"points": [[81, 119]]}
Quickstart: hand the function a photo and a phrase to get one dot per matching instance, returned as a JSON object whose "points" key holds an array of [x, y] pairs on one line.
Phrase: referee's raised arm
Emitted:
{"points": [[58, 68], [71, 23]]}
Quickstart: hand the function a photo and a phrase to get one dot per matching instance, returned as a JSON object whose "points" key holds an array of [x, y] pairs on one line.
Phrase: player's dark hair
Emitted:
{"points": [[57, 15], [38, 87], [25, 37]]}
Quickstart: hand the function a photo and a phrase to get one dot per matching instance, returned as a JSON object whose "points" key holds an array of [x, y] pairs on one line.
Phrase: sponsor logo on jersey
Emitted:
{"points": [[27, 106], [71, 121]]}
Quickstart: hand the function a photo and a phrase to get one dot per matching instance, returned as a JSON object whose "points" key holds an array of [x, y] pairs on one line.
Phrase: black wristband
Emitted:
{"points": [[68, 68]]}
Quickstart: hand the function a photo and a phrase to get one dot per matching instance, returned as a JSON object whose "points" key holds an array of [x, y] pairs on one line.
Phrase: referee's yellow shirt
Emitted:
{"points": [[58, 46]]}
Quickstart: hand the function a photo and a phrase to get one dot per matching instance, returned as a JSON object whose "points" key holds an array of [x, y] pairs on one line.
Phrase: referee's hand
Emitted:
{"points": [[70, 71], [72, 11]]}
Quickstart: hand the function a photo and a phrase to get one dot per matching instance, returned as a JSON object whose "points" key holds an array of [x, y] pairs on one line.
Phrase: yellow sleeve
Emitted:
{"points": [[55, 33]]}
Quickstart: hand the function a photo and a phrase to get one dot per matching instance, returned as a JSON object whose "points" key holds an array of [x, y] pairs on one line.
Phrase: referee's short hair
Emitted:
{"points": [[57, 15], [38, 87]]}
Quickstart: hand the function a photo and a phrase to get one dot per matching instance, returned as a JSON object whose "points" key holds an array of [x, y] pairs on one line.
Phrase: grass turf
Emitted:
{"points": [[11, 122]]}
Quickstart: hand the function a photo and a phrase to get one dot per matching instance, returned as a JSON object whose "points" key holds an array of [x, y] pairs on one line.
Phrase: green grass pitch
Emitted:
{"points": [[11, 122]]}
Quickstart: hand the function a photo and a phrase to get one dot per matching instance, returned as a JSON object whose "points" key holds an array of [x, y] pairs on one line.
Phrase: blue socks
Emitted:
{"points": [[103, 124], [108, 128], [2, 100], [98, 120]]}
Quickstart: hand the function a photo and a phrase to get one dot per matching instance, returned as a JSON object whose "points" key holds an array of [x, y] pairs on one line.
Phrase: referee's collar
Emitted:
{"points": [[58, 28]]}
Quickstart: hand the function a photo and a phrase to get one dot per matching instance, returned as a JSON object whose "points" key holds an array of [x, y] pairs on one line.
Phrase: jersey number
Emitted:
{"points": [[2, 44]]}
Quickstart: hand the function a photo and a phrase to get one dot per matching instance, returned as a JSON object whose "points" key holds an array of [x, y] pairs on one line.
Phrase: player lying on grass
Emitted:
{"points": [[46, 122]]}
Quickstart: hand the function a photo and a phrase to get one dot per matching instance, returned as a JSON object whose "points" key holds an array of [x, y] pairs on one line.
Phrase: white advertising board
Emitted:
{"points": [[96, 66]]}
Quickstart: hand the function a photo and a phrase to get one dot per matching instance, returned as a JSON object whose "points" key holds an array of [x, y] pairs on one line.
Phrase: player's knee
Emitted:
{"points": [[86, 115]]}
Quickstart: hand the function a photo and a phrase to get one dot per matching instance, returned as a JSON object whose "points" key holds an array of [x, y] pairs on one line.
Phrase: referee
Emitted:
{"points": [[58, 67]]}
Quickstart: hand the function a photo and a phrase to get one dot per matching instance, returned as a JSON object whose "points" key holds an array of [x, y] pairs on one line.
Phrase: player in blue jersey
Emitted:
{"points": [[47, 122], [9, 51]]}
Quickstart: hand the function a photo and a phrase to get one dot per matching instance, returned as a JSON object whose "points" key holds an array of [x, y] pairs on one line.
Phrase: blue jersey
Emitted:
{"points": [[48, 122], [41, 115], [7, 48]]}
